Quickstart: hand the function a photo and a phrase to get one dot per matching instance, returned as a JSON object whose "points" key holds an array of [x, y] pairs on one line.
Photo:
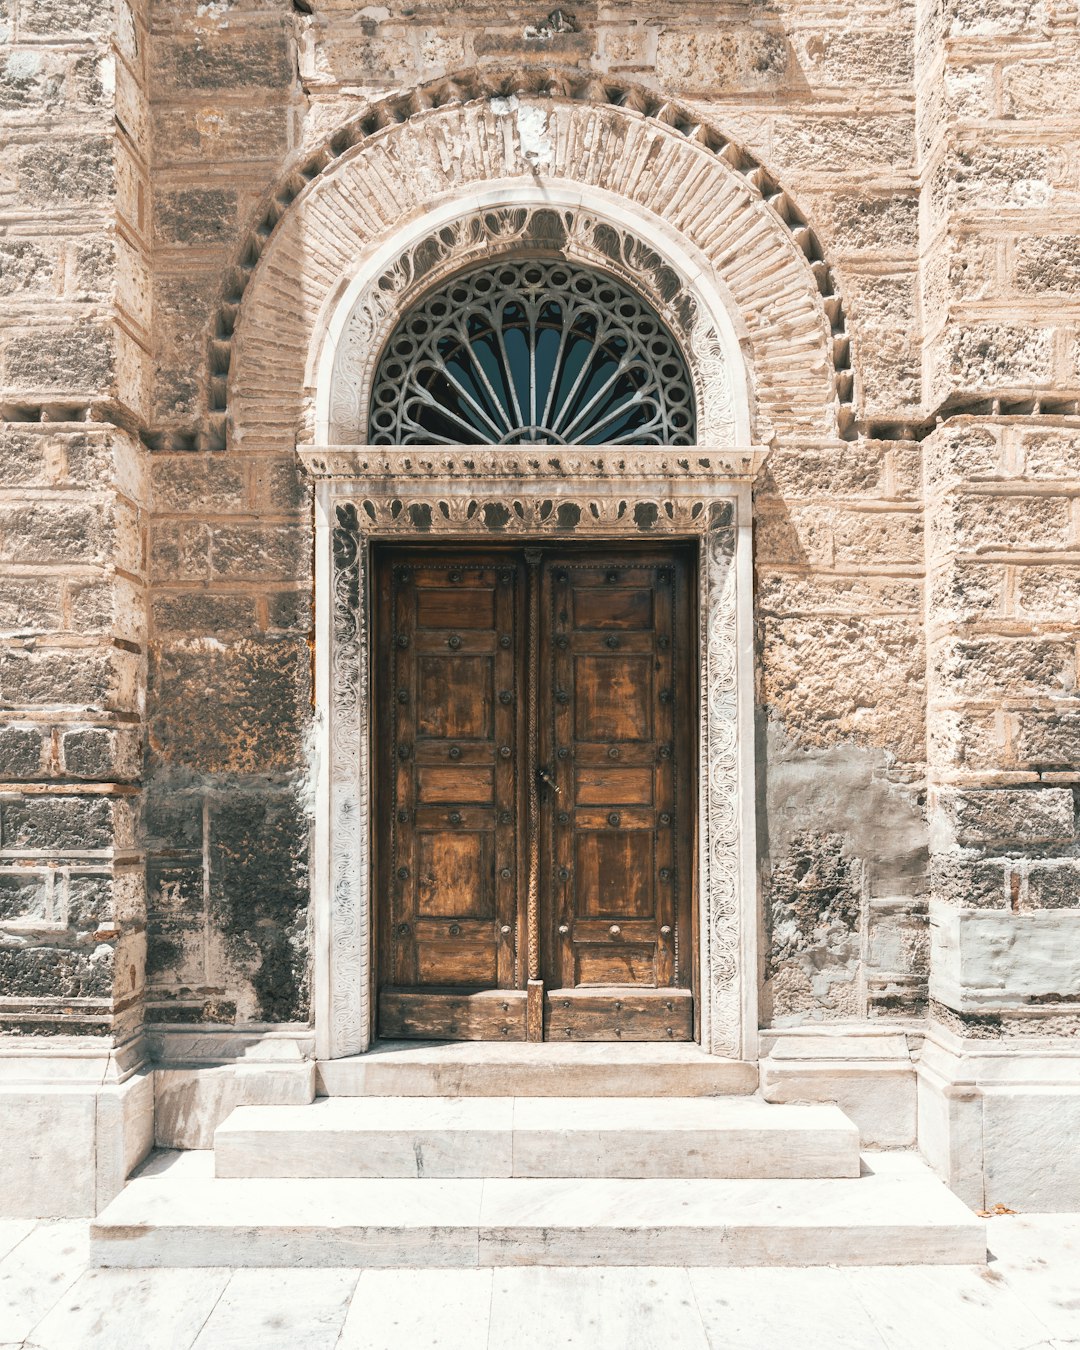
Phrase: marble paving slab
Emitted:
{"points": [[279, 1310], [399, 1309]]}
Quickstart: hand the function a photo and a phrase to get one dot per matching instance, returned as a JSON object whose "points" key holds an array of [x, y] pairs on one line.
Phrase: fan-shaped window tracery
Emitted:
{"points": [[532, 351]]}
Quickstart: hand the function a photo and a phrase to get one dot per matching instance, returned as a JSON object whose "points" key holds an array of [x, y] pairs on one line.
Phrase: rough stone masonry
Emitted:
{"points": [[917, 552]]}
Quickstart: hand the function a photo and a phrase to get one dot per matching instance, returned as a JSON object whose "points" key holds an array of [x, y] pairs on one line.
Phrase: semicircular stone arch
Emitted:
{"points": [[387, 168]]}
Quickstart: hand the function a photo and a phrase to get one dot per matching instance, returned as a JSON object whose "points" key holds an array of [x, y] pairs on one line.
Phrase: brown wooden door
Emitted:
{"points": [[617, 814], [448, 732], [612, 749]]}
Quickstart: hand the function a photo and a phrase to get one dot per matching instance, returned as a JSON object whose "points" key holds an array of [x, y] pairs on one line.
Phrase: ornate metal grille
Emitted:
{"points": [[532, 352]]}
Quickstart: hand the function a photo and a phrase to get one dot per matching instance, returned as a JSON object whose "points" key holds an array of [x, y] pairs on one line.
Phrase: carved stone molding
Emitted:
{"points": [[578, 236], [366, 493]]}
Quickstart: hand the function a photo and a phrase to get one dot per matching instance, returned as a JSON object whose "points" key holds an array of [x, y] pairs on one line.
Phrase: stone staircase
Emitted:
{"points": [[419, 1159]]}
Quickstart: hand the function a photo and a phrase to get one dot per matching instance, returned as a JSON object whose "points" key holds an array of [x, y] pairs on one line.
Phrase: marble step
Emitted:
{"points": [[896, 1213], [537, 1137], [550, 1069]]}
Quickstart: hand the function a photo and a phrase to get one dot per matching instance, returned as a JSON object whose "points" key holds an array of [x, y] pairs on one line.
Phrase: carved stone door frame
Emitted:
{"points": [[475, 494]]}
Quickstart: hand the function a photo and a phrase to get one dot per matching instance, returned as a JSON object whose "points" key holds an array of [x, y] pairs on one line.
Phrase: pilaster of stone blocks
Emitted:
{"points": [[1003, 548], [997, 96], [73, 360]]}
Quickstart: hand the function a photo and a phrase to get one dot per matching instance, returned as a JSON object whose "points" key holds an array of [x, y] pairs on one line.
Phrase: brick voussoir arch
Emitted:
{"points": [[357, 186]]}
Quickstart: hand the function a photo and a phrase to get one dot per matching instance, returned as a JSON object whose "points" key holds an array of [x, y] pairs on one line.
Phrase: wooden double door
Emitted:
{"points": [[535, 793]]}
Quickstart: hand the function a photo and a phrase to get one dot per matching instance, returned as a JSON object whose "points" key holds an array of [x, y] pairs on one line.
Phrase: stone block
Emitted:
{"points": [[871, 1078], [102, 754], [174, 888], [1047, 263], [196, 216], [886, 537], [971, 270], [219, 131], [1038, 1179], [34, 81], [69, 1147], [830, 679], [998, 356], [993, 18], [252, 58], [205, 612], [784, 593], [96, 269], [1049, 592], [78, 360], [855, 56], [179, 551], [278, 483], [1053, 885], [49, 972], [991, 176], [970, 883], [66, 170], [898, 940], [1045, 88], [21, 753], [69, 533], [114, 607], [962, 739], [968, 522], [24, 894], [961, 592], [290, 611], [718, 60], [857, 472], [793, 533], [229, 709], [985, 959], [861, 222], [56, 823], [969, 91], [29, 606], [199, 484], [87, 678], [1051, 454], [66, 18], [1049, 740], [1002, 816], [996, 667], [261, 552], [833, 144], [958, 453], [27, 268], [91, 901], [192, 1103]]}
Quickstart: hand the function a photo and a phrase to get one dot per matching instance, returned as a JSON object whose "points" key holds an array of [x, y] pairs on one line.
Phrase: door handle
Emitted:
{"points": [[547, 779]]}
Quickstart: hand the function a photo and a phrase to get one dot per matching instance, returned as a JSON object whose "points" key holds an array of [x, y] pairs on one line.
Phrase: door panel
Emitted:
{"points": [[617, 691], [615, 698], [448, 731]]}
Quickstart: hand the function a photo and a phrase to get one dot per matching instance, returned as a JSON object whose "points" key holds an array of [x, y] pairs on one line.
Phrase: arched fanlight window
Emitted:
{"points": [[532, 352]]}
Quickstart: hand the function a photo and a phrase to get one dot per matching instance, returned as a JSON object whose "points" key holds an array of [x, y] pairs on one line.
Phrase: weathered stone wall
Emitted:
{"points": [[75, 325], [930, 150], [240, 92]]}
